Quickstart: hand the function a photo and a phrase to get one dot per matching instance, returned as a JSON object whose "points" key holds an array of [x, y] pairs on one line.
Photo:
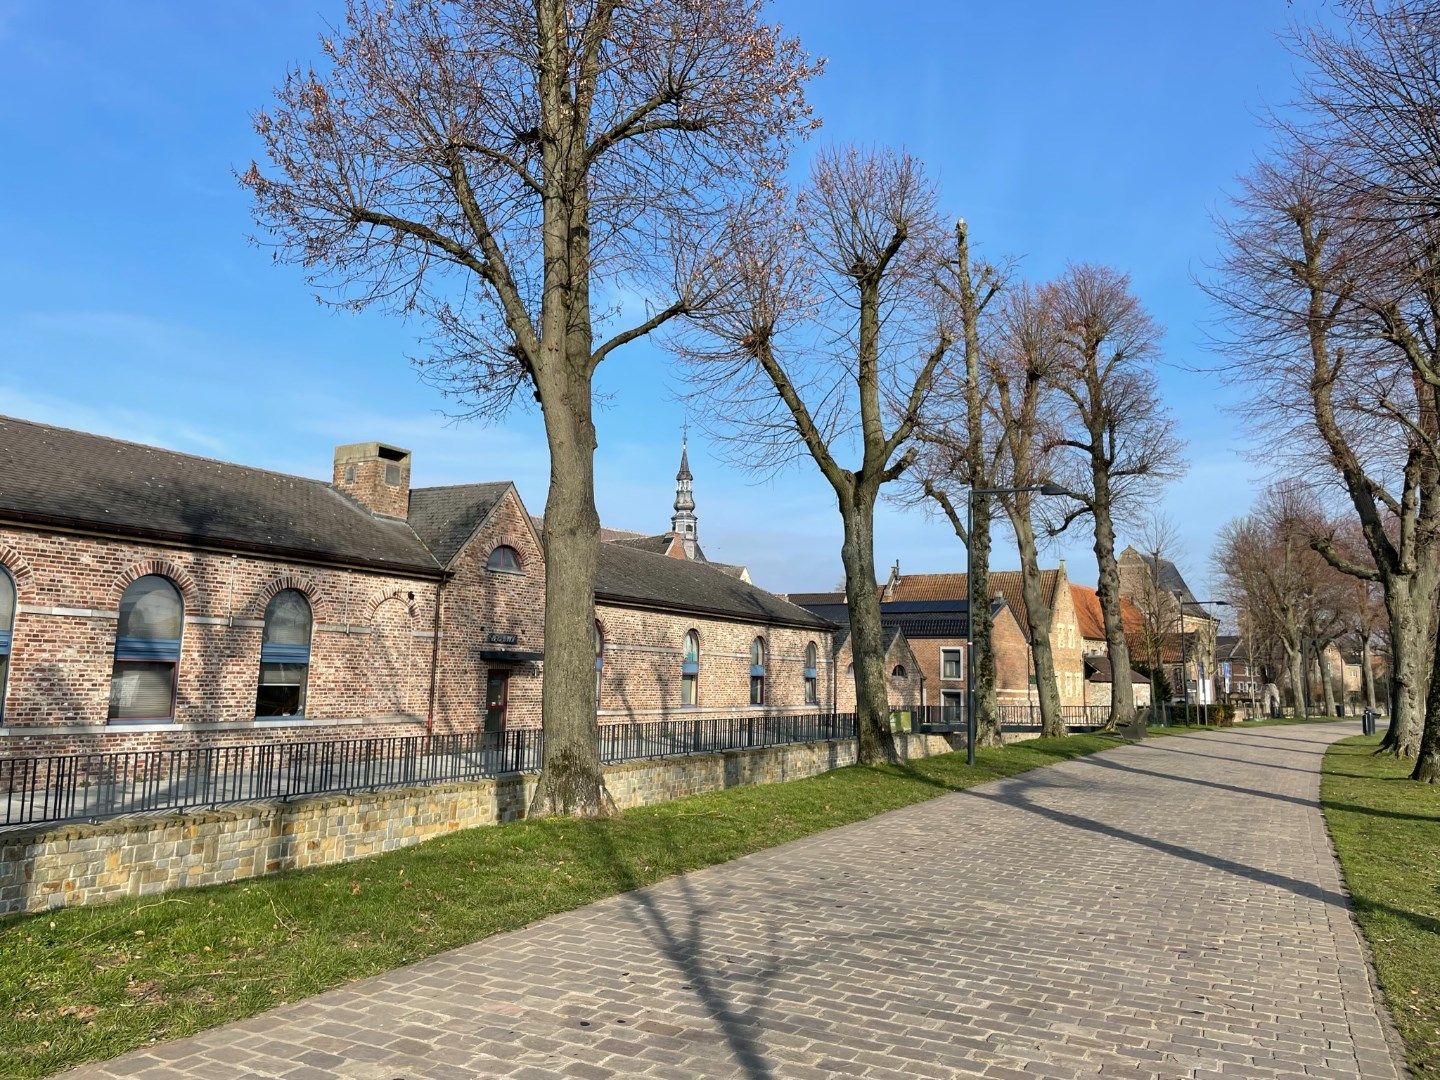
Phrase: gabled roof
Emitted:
{"points": [[446, 517], [1005, 584], [627, 574], [1091, 617], [72, 479], [1098, 670]]}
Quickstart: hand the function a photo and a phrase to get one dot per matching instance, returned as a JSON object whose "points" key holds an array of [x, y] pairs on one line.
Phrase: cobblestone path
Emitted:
{"points": [[1170, 909]]}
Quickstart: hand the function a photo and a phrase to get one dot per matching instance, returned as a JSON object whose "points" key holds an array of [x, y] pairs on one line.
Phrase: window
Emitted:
{"points": [[505, 559], [898, 671], [952, 706], [690, 670], [812, 675], [952, 663], [392, 474], [599, 659], [147, 650], [757, 672], [284, 655], [7, 627]]}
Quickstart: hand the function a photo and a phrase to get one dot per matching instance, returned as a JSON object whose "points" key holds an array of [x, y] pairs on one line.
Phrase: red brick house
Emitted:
{"points": [[154, 599]]}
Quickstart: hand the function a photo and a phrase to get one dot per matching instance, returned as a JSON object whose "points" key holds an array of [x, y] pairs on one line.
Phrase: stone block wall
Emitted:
{"points": [[70, 865]]}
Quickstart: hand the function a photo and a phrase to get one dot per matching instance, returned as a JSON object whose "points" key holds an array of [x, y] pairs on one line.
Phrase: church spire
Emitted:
{"points": [[683, 524]]}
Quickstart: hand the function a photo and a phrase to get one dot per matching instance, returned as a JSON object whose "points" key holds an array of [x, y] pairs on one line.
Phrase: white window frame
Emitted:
{"points": [[959, 651]]}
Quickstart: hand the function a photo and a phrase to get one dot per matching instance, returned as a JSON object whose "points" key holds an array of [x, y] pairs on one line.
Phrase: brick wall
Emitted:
{"points": [[83, 864], [905, 691], [369, 647], [478, 602], [373, 646], [644, 650]]}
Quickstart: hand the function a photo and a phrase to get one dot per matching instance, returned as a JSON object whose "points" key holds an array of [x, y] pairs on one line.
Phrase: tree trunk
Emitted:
{"points": [[867, 643], [1327, 685], [1296, 656], [1402, 737], [987, 719], [1367, 672], [570, 778], [1038, 615], [1427, 757], [1122, 694]]}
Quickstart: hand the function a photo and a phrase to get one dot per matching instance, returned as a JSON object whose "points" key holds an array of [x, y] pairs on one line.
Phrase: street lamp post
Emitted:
{"points": [[970, 726]]}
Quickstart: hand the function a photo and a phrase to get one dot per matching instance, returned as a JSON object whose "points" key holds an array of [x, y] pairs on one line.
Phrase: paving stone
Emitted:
{"points": [[1170, 909]]}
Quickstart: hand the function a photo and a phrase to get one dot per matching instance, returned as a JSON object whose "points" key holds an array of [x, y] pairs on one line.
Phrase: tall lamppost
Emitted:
{"points": [[970, 727]]}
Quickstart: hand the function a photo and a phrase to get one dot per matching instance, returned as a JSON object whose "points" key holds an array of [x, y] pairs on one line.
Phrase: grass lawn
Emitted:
{"points": [[1387, 832], [89, 983]]}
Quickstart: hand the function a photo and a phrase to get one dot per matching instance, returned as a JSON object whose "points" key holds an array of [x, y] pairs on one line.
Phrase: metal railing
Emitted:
{"points": [[68, 787], [1013, 718]]}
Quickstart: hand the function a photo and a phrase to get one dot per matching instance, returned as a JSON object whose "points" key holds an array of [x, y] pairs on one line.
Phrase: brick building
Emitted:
{"points": [[1014, 669], [1095, 647], [154, 599], [1174, 626], [937, 634]]}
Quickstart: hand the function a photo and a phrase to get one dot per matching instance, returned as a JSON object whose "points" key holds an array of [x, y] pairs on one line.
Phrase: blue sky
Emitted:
{"points": [[133, 304]]}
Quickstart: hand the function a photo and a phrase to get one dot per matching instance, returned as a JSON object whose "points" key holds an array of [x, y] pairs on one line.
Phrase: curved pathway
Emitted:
{"points": [[1170, 909]]}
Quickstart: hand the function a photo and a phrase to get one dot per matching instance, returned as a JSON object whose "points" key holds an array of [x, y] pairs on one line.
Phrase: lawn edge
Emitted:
{"points": [[1399, 1049]]}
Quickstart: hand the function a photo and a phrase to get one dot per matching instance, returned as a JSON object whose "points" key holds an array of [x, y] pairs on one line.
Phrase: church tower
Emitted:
{"points": [[683, 524]]}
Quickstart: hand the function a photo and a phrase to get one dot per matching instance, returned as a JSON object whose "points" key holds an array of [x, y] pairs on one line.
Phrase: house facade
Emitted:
{"points": [[1173, 625], [152, 599]]}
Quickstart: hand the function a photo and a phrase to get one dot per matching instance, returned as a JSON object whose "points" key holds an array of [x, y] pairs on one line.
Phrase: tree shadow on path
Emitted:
{"points": [[679, 937]]}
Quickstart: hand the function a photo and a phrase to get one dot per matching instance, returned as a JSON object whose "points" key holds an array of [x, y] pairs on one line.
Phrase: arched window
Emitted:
{"points": [[284, 655], [147, 650], [812, 675], [690, 670], [505, 559], [599, 658], [898, 671], [757, 671], [7, 627]]}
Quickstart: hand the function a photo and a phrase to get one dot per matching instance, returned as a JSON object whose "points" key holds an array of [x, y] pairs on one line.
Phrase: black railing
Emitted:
{"points": [[1013, 718], [88, 786]]}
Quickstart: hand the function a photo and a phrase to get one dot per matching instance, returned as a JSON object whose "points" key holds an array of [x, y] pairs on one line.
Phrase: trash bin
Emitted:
{"points": [[1340, 710], [1367, 722]]}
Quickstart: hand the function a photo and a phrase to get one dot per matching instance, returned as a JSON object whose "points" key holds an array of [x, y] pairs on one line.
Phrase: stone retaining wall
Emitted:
{"points": [[60, 866]]}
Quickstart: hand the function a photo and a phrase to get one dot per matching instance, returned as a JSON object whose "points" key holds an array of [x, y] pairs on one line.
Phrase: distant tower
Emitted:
{"points": [[683, 524]]}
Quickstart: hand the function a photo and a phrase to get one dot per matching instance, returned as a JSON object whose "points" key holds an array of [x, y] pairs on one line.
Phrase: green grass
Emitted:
{"points": [[1386, 830], [92, 982]]}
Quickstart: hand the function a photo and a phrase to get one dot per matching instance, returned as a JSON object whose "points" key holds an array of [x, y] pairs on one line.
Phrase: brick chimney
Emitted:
{"points": [[375, 475]]}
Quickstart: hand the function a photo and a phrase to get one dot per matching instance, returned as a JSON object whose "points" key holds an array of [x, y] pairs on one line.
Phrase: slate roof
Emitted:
{"points": [[1098, 669], [1005, 584], [889, 634], [630, 574], [56, 476], [445, 517], [916, 619]]}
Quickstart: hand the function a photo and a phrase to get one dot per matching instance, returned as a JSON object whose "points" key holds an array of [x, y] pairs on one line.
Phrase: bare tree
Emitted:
{"points": [[1318, 329], [1260, 563], [833, 326], [1023, 403], [488, 166], [958, 453], [1114, 430], [1161, 616]]}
